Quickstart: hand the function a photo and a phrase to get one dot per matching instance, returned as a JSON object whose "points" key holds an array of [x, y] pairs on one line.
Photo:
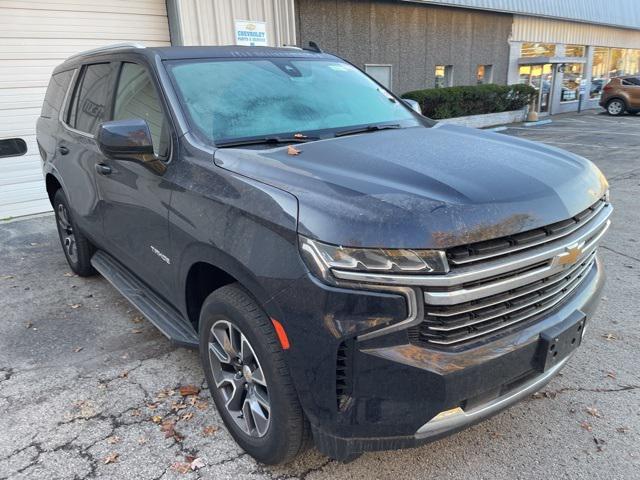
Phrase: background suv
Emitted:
{"points": [[621, 94], [348, 269]]}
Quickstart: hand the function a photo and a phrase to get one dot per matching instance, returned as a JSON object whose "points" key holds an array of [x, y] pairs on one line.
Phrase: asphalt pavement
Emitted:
{"points": [[89, 389]]}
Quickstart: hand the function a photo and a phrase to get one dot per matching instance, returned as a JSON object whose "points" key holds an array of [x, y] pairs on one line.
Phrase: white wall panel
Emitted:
{"points": [[37, 35], [205, 22]]}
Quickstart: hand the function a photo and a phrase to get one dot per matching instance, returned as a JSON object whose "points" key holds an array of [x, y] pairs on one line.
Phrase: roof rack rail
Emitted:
{"points": [[107, 48]]}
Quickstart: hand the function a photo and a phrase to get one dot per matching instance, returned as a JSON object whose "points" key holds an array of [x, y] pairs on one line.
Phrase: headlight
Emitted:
{"points": [[322, 257]]}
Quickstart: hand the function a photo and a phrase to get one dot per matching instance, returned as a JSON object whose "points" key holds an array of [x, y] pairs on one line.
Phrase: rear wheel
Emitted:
{"points": [[248, 377], [77, 248], [616, 107]]}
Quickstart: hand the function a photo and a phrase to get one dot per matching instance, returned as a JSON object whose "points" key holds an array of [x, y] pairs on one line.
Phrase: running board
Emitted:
{"points": [[165, 318]]}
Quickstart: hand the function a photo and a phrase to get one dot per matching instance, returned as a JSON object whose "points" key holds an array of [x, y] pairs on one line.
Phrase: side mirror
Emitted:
{"points": [[126, 140], [413, 105]]}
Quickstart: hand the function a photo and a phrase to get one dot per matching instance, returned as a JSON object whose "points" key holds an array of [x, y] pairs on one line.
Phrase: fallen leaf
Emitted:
{"points": [[29, 324], [593, 412], [291, 150], [197, 464], [113, 440], [611, 375], [7, 277], [77, 349], [142, 440], [135, 413], [137, 319], [137, 330], [111, 458], [69, 274], [609, 336], [152, 406], [181, 467], [187, 416], [622, 429], [156, 419], [202, 405], [176, 406], [209, 430], [124, 374], [75, 305], [187, 390], [586, 426]]}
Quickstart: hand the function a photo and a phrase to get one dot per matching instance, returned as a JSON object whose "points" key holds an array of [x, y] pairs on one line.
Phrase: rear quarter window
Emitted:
{"points": [[56, 91]]}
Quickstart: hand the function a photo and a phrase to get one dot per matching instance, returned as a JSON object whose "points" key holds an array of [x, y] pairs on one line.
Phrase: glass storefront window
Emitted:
{"points": [[537, 50], [574, 51], [632, 62], [599, 71], [616, 62], [571, 82]]}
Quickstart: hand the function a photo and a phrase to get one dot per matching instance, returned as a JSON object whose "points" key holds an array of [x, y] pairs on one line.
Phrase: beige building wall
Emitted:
{"points": [[545, 30], [212, 22]]}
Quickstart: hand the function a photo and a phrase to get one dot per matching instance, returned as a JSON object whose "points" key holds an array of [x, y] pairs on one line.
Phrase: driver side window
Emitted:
{"points": [[137, 97]]}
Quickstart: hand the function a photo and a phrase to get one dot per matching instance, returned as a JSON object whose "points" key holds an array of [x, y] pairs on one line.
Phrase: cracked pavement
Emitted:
{"points": [[90, 390]]}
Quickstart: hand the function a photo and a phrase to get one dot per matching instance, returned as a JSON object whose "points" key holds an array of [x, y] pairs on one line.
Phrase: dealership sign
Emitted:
{"points": [[251, 33]]}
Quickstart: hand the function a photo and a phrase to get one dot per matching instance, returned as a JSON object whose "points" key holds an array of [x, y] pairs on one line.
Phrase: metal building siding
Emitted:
{"points": [[545, 30], [35, 36], [203, 22], [619, 13]]}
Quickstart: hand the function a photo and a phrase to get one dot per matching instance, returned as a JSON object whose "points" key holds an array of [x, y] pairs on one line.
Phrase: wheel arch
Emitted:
{"points": [[52, 185], [205, 269]]}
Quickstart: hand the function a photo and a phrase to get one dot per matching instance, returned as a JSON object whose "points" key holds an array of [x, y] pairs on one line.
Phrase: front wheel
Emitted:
{"points": [[76, 246], [616, 107], [248, 377]]}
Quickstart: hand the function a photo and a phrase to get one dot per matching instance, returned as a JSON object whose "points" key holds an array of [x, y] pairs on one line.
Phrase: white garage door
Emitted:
{"points": [[37, 35]]}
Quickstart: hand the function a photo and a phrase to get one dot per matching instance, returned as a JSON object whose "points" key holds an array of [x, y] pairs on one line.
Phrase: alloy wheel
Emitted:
{"points": [[66, 233], [239, 378], [615, 107]]}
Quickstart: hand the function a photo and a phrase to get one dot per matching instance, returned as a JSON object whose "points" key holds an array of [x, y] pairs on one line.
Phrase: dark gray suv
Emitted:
{"points": [[349, 270]]}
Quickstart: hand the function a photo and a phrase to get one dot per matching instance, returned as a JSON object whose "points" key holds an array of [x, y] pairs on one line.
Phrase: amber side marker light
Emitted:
{"points": [[282, 335]]}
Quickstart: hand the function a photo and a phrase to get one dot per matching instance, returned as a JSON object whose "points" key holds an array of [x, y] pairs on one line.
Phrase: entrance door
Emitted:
{"points": [[539, 77]]}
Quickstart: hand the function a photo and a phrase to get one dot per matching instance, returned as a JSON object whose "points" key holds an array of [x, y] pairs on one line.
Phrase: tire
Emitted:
{"points": [[616, 107], [254, 375], [77, 248]]}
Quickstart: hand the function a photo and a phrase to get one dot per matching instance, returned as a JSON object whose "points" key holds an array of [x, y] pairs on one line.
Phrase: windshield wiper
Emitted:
{"points": [[266, 140], [368, 128]]}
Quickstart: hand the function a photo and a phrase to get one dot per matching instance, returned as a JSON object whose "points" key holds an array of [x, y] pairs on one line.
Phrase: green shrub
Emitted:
{"points": [[438, 103]]}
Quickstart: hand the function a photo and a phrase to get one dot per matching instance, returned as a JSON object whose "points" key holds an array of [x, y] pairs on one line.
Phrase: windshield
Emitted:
{"points": [[229, 99]]}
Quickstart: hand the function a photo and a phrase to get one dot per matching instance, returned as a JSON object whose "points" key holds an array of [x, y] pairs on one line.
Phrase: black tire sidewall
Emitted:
{"points": [[82, 266], [274, 446]]}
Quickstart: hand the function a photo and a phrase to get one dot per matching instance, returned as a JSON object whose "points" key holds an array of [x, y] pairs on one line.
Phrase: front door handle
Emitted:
{"points": [[63, 150], [103, 169]]}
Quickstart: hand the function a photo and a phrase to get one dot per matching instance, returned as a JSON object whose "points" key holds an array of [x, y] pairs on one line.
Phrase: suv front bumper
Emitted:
{"points": [[400, 395]]}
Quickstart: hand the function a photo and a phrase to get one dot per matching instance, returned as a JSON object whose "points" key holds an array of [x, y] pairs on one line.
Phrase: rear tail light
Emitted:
{"points": [[607, 88]]}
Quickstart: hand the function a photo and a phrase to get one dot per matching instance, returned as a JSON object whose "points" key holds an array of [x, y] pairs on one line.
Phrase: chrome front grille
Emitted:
{"points": [[497, 284], [536, 282]]}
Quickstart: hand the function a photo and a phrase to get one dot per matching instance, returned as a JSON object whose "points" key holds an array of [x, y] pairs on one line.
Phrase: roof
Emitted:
{"points": [[179, 53]]}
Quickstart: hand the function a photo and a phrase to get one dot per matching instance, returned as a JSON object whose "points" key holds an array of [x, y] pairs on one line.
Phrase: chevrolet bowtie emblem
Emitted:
{"points": [[570, 255]]}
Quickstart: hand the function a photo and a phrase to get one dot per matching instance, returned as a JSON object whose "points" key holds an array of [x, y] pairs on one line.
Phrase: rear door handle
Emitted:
{"points": [[103, 169], [63, 150]]}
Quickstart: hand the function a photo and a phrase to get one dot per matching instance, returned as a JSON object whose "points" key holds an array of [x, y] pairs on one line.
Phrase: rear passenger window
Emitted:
{"points": [[90, 98], [635, 82], [137, 97], [55, 94]]}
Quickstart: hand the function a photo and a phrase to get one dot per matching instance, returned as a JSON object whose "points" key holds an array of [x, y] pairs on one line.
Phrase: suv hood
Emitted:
{"points": [[423, 187]]}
